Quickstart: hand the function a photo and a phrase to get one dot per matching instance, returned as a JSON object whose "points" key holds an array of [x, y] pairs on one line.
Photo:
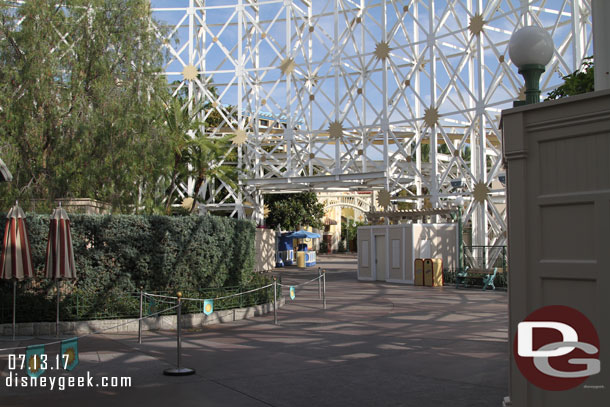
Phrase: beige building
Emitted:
{"points": [[342, 207], [388, 252]]}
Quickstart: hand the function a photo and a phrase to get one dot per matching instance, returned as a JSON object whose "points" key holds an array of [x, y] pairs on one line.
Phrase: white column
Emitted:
{"points": [[310, 123], [478, 139], [431, 38], [384, 118], [418, 111], [336, 63], [288, 132], [601, 43], [362, 84], [190, 183]]}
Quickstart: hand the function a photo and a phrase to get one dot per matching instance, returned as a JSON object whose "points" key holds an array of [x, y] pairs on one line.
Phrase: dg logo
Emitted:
{"points": [[557, 348]]}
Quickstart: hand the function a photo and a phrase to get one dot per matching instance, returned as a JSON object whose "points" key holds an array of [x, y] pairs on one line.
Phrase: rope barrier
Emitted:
{"points": [[160, 296], [302, 284], [178, 298], [160, 301], [179, 370], [216, 298], [232, 295], [97, 332]]}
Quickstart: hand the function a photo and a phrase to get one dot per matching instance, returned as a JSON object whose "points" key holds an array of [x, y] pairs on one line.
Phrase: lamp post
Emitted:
{"points": [[531, 49], [459, 202]]}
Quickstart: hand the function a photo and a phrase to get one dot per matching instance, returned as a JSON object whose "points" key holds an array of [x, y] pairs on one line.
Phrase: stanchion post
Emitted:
{"points": [[275, 300], [58, 286], [140, 320], [179, 371], [319, 284], [324, 288], [14, 308], [179, 329]]}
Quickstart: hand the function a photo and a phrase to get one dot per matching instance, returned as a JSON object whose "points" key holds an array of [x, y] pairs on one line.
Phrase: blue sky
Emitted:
{"points": [[358, 52]]}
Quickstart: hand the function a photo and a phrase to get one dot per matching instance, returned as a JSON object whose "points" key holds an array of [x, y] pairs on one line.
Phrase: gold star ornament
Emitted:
{"points": [[189, 72], [431, 116], [187, 203], [287, 66], [335, 130], [476, 24], [382, 50], [481, 191], [383, 199], [240, 137]]}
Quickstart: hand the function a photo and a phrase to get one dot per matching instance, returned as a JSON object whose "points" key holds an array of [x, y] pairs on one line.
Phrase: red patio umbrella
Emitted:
{"points": [[60, 257], [16, 259]]}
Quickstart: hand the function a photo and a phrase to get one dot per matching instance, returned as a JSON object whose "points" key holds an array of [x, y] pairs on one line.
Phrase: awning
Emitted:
{"points": [[303, 234]]}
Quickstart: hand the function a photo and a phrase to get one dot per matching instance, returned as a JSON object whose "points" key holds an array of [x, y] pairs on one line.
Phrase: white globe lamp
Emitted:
{"points": [[531, 49]]}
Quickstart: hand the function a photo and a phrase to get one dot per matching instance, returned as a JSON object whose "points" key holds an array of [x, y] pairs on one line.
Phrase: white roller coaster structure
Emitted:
{"points": [[363, 95], [360, 88]]}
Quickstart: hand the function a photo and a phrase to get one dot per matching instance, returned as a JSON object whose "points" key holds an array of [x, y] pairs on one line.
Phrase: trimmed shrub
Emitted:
{"points": [[115, 255]]}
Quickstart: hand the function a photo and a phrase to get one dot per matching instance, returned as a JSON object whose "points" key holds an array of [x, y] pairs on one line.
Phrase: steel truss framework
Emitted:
{"points": [[361, 88], [398, 96], [395, 96]]}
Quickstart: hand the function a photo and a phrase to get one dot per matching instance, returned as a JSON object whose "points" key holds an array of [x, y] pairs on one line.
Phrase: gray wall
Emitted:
{"points": [[558, 174]]}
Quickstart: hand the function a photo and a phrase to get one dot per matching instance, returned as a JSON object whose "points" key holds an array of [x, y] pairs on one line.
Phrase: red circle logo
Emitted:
{"points": [[556, 348]]}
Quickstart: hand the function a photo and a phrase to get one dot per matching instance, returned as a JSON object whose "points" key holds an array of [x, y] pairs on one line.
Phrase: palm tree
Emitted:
{"points": [[196, 155], [206, 156], [180, 124]]}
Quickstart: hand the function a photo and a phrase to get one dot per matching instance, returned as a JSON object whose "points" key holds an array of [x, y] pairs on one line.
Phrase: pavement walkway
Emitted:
{"points": [[376, 344]]}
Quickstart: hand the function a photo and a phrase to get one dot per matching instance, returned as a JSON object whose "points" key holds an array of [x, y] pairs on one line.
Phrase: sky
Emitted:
{"points": [[448, 85]]}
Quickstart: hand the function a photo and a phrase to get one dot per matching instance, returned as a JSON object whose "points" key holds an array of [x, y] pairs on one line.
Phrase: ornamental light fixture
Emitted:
{"points": [[531, 49]]}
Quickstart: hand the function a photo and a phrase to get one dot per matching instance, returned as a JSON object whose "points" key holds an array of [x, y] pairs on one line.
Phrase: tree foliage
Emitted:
{"points": [[196, 155], [292, 211], [81, 100], [579, 81]]}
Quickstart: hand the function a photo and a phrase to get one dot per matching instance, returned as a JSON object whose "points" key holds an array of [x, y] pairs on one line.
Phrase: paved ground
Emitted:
{"points": [[377, 344]]}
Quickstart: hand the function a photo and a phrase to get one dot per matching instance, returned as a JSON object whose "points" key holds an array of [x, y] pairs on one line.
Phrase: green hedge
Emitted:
{"points": [[117, 254]]}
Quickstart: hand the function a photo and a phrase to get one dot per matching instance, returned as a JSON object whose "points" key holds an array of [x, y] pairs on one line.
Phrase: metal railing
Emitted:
{"points": [[485, 257]]}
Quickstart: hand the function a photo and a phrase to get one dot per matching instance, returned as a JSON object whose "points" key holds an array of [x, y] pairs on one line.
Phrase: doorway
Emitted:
{"points": [[380, 258]]}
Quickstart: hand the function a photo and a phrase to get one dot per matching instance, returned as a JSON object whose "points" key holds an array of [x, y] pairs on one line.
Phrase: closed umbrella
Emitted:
{"points": [[60, 257], [16, 259], [5, 174]]}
